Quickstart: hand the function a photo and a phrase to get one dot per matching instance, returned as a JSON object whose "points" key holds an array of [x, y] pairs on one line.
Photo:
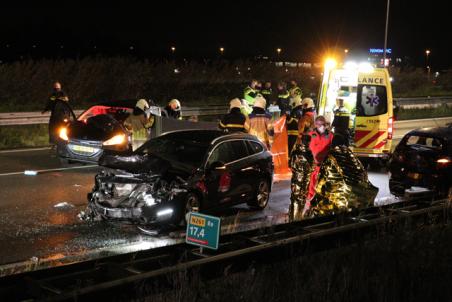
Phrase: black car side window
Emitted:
{"points": [[255, 147], [223, 152], [228, 152]]}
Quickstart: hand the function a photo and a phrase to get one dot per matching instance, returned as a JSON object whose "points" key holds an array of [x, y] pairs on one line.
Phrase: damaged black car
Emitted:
{"points": [[179, 172]]}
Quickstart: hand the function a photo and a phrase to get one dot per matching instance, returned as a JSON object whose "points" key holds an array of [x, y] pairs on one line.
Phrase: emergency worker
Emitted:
{"points": [[283, 98], [173, 110], [139, 123], [341, 123], [235, 120], [321, 139], [306, 122], [292, 123], [260, 123], [294, 89], [58, 105], [267, 93], [251, 92]]}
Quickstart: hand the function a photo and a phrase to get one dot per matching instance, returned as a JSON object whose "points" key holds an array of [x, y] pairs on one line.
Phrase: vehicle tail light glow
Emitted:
{"points": [[115, 140], [63, 134], [390, 127], [444, 161]]}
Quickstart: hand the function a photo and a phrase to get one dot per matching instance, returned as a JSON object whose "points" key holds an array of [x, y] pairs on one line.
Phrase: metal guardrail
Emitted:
{"points": [[422, 102], [32, 118]]}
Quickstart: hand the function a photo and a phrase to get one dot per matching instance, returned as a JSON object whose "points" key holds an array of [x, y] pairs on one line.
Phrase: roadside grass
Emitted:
{"points": [[423, 113], [410, 265], [24, 136]]}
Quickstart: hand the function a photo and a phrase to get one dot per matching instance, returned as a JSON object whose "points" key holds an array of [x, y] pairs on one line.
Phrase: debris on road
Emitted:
{"points": [[63, 204], [30, 172]]}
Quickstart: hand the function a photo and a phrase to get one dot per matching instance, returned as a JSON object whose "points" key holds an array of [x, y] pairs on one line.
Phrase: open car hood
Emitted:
{"points": [[96, 128]]}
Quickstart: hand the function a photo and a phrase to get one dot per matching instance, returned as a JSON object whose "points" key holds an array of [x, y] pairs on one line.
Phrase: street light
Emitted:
{"points": [[173, 49], [221, 50], [427, 52], [346, 50], [386, 33]]}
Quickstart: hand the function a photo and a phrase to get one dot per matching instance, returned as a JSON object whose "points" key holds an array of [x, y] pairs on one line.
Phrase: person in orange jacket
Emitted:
{"points": [[321, 139]]}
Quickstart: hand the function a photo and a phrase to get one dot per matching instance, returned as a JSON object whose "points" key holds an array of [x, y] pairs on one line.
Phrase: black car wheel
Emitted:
{"points": [[262, 196], [193, 204]]}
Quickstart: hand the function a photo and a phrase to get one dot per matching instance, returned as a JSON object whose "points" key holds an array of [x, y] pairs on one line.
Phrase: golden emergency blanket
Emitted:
{"points": [[342, 185], [301, 163]]}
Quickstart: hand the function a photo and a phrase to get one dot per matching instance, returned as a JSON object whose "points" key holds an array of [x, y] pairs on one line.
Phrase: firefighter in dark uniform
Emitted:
{"points": [[58, 105], [283, 98], [292, 123], [173, 110], [139, 123], [267, 93], [341, 123], [235, 120]]}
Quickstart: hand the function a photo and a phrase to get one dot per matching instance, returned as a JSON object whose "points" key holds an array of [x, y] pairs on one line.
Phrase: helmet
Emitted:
{"points": [[260, 102], [142, 104], [235, 103], [308, 103], [175, 101], [295, 101]]}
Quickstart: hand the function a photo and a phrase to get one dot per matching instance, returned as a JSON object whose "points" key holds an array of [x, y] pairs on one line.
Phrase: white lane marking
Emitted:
{"points": [[50, 170], [24, 150]]}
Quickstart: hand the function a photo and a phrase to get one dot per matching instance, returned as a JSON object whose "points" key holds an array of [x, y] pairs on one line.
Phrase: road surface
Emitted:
{"points": [[38, 214]]}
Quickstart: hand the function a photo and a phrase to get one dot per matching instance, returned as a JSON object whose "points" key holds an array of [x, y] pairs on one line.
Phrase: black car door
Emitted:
{"points": [[228, 185]]}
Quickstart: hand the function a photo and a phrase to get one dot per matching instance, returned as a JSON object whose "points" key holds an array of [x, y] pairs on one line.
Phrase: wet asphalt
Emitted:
{"points": [[38, 214]]}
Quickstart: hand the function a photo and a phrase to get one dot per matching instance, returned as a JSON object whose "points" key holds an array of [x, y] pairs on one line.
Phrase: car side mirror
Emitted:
{"points": [[217, 165]]}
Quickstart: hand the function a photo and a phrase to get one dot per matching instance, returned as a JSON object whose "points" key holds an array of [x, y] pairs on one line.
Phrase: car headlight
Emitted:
{"points": [[63, 134], [115, 140]]}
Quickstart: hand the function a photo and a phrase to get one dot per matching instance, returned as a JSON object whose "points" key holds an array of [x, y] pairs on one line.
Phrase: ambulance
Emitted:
{"points": [[367, 95]]}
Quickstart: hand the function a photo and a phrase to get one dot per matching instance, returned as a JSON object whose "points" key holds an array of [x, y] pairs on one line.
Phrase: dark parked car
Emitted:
{"points": [[97, 130], [179, 172], [423, 158]]}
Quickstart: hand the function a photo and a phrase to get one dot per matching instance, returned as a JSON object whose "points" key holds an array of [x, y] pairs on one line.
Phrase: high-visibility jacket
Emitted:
{"points": [[260, 125], [306, 122], [292, 121], [341, 119], [319, 145], [234, 121], [139, 126], [295, 91], [267, 93], [249, 94], [283, 101]]}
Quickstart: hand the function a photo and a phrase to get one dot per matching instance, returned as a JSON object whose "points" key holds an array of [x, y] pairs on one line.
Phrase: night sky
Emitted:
{"points": [[305, 30]]}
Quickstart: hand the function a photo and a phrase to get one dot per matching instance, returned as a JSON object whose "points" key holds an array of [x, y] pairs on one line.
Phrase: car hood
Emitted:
{"points": [[96, 128], [137, 163]]}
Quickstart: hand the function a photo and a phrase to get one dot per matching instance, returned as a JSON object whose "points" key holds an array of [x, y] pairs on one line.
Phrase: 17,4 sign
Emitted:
{"points": [[203, 230]]}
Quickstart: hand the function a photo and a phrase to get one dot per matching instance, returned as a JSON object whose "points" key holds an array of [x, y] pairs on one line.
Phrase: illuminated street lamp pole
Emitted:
{"points": [[173, 49], [278, 50], [221, 50], [427, 52], [386, 33]]}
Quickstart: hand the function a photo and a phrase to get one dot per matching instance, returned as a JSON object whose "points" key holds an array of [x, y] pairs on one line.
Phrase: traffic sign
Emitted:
{"points": [[203, 230]]}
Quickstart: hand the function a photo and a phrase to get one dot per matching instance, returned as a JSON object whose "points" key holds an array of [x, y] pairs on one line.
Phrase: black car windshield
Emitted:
{"points": [[184, 151], [424, 142]]}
